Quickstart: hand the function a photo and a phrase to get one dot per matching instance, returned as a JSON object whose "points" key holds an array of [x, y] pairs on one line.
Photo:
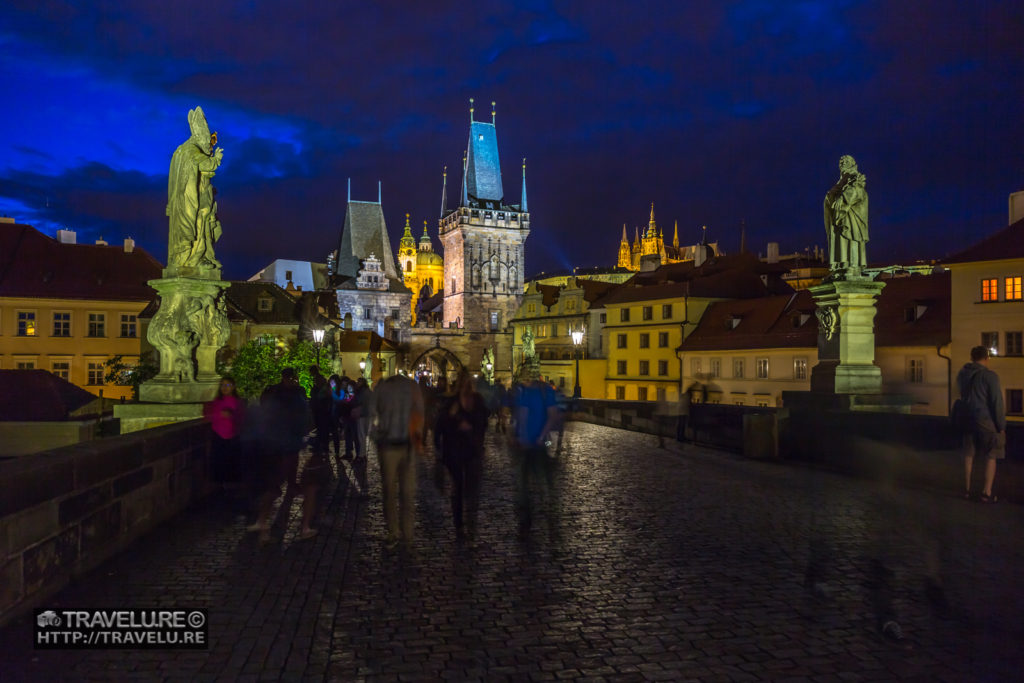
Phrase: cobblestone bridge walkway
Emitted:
{"points": [[654, 564]]}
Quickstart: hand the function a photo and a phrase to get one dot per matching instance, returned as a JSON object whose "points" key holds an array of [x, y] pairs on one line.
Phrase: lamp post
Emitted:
{"points": [[318, 339], [577, 341]]}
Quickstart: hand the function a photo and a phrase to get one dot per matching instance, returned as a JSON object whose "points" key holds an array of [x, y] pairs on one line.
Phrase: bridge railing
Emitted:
{"points": [[63, 512]]}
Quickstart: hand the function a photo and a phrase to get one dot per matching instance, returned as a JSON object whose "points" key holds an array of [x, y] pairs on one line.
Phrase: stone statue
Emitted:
{"points": [[846, 221], [191, 206], [529, 351], [487, 365], [171, 334]]}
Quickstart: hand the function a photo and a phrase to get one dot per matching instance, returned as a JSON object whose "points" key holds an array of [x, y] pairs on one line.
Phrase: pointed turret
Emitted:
{"points": [[444, 191], [407, 252], [636, 239], [425, 243], [522, 205], [465, 193], [625, 261], [652, 229], [675, 236], [407, 240]]}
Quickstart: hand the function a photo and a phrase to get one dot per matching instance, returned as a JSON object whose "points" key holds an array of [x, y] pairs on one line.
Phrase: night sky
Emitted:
{"points": [[718, 113]]}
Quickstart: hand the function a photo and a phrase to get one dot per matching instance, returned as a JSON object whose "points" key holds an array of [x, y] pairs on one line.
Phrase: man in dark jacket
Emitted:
{"points": [[979, 389]]}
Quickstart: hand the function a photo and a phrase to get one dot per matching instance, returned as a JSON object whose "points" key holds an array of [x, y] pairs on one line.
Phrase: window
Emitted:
{"points": [[561, 382], [61, 324], [662, 340], [61, 368], [1014, 401], [761, 402], [645, 368], [660, 393], [662, 368], [25, 365], [695, 367], [26, 323], [620, 393], [288, 275], [648, 312], [1013, 290], [266, 303], [737, 368], [990, 290], [95, 374], [624, 315], [603, 318], [799, 368], [408, 266], [716, 367], [531, 308], [620, 367], [453, 285], [666, 311], [645, 341], [395, 313], [554, 329], [367, 312], [570, 306], [97, 325], [641, 393], [542, 330], [128, 324], [621, 341], [909, 314], [915, 370], [990, 340], [762, 368], [1013, 344], [494, 321]]}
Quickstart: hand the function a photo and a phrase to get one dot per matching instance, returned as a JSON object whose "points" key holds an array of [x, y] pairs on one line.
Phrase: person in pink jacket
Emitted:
{"points": [[225, 413]]}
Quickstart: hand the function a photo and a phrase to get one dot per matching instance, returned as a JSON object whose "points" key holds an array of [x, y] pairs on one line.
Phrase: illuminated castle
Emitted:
{"points": [[652, 244]]}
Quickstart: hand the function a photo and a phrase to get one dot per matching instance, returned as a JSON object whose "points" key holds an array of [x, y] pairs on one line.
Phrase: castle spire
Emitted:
{"points": [[675, 236], [471, 110], [625, 240], [522, 205], [494, 114], [407, 244], [652, 230], [444, 190], [378, 192], [350, 189], [465, 193]]}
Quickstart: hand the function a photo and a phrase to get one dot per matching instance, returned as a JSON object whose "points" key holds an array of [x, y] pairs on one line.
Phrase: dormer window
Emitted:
{"points": [[914, 313], [799, 320], [733, 322], [266, 303]]}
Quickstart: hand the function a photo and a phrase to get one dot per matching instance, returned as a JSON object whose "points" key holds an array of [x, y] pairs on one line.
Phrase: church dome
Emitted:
{"points": [[429, 258]]}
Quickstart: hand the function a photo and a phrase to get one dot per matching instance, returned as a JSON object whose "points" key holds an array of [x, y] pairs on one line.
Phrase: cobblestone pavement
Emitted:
{"points": [[651, 564]]}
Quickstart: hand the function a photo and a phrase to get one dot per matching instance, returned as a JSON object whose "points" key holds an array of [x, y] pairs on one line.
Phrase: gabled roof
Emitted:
{"points": [[483, 170], [364, 233], [929, 292], [1008, 243], [37, 395], [365, 341], [34, 265]]}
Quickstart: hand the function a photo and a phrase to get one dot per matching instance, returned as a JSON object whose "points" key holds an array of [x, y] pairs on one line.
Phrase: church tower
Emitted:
{"points": [[483, 239], [625, 255], [407, 254]]}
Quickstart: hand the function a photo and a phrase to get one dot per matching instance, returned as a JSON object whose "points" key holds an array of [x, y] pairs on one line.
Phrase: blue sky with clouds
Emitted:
{"points": [[717, 112]]}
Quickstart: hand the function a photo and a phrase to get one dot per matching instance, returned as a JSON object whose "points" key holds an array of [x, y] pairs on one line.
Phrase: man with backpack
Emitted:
{"points": [[984, 421]]}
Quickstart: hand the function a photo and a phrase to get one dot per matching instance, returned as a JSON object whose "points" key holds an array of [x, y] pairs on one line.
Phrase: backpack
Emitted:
{"points": [[960, 415]]}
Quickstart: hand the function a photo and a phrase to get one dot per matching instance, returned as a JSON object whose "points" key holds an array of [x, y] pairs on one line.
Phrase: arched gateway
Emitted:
{"points": [[437, 362]]}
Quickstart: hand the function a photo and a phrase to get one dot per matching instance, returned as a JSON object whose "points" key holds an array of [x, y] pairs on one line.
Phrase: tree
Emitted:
{"points": [[258, 364], [125, 374]]}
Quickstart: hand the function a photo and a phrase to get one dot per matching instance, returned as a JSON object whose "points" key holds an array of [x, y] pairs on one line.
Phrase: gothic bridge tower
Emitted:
{"points": [[483, 240]]}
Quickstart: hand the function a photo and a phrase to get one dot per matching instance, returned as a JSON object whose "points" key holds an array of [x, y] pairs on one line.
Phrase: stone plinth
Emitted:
{"points": [[846, 337], [135, 417]]}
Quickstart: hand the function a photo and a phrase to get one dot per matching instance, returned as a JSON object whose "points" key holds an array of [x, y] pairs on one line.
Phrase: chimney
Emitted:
{"points": [[129, 245], [773, 252], [101, 242], [66, 237], [1016, 206]]}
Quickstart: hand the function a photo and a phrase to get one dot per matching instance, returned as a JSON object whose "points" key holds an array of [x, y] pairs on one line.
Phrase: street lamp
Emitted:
{"points": [[577, 341], [318, 339]]}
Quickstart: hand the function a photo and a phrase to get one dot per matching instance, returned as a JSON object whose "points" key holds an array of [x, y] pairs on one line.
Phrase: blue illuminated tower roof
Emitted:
{"points": [[483, 170]]}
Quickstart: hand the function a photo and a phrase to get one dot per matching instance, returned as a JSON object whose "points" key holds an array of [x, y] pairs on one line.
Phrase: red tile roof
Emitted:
{"points": [[1006, 244], [37, 395], [34, 265]]}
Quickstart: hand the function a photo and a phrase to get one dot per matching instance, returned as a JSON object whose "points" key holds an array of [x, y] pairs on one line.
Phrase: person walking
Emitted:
{"points": [[285, 415], [534, 415], [397, 407], [459, 440], [337, 393], [361, 415], [986, 435], [682, 415], [320, 405], [225, 414]]}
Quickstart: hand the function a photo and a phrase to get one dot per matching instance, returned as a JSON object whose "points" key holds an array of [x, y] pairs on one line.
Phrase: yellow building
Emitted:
{"points": [[68, 308], [421, 266], [988, 309], [652, 244], [748, 352]]}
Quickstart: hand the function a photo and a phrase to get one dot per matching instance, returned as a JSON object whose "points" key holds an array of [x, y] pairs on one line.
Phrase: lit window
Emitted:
{"points": [[26, 324], [62, 325], [1013, 291], [95, 374], [762, 368], [990, 290], [799, 368], [128, 325], [990, 340], [915, 370]]}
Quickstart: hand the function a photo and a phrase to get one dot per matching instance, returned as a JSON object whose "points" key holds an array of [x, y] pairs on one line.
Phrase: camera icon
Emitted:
{"points": [[48, 618]]}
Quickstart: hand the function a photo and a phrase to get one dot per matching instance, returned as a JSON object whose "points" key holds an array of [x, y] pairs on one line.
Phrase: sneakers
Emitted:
{"points": [[258, 527], [988, 500]]}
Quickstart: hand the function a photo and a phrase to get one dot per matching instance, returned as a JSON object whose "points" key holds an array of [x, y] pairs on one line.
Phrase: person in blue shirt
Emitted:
{"points": [[534, 414]]}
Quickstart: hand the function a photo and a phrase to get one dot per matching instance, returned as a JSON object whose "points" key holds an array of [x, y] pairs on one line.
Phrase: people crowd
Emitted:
{"points": [[257, 448]]}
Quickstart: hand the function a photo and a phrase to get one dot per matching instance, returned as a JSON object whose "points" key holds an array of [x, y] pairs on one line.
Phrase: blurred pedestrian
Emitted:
{"points": [[337, 391], [986, 436], [361, 415], [534, 415], [225, 413], [397, 407], [320, 406], [459, 439]]}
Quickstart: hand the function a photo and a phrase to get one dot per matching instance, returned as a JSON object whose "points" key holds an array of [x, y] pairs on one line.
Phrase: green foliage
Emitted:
{"points": [[126, 374], [259, 362]]}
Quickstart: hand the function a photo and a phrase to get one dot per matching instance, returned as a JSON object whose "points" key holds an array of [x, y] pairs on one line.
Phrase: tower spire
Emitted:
{"points": [[743, 235], [471, 110], [465, 193], [522, 205], [651, 228], [675, 235], [350, 189], [425, 235], [624, 238], [494, 114], [378, 192], [444, 191]]}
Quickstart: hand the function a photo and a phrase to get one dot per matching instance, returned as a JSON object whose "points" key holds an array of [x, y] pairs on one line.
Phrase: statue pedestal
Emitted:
{"points": [[135, 417], [846, 337]]}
